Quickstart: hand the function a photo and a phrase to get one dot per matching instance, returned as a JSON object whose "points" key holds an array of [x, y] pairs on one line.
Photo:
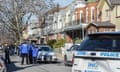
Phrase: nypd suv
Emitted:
{"points": [[99, 52]]}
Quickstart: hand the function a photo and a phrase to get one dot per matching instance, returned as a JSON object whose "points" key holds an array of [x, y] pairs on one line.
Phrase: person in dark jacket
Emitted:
{"points": [[34, 53], [12, 49], [30, 52], [24, 52], [7, 54]]}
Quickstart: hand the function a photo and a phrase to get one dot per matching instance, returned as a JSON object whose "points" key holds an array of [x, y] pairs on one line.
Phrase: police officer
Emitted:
{"points": [[24, 52], [34, 53], [7, 54], [30, 52]]}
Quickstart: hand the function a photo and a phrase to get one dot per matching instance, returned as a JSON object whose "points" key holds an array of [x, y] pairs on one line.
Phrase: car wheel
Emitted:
{"points": [[65, 60], [5, 70]]}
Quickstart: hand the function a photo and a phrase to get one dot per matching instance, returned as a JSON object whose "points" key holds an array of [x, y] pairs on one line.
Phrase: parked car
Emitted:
{"points": [[99, 52], [46, 54], [2, 65], [1, 47], [69, 53]]}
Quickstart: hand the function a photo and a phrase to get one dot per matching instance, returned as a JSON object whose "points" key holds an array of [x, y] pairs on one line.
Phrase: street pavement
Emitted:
{"points": [[15, 66]]}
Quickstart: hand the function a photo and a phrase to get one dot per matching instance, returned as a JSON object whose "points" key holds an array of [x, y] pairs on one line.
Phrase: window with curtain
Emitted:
{"points": [[81, 17], [86, 15], [92, 14]]}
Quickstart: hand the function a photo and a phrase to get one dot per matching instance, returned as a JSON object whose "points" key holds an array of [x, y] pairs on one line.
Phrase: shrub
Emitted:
{"points": [[60, 43], [51, 42], [56, 43], [78, 40]]}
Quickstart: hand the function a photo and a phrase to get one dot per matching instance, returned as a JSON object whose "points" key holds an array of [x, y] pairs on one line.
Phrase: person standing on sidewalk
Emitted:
{"points": [[24, 52], [34, 53], [7, 54], [30, 52]]}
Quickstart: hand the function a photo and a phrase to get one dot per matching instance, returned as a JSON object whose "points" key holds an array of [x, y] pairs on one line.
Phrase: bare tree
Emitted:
{"points": [[12, 12]]}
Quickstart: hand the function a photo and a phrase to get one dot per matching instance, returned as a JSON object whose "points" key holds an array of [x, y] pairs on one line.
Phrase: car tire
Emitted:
{"points": [[65, 60]]}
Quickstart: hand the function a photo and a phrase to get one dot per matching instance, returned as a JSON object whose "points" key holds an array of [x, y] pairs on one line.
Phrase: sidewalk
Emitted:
{"points": [[59, 54], [16, 66]]}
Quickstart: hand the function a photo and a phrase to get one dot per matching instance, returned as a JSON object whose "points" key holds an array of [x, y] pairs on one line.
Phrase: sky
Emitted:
{"points": [[63, 2], [33, 17]]}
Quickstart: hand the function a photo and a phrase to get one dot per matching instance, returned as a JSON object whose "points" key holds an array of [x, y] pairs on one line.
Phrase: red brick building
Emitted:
{"points": [[88, 13], [85, 13], [87, 20], [100, 27]]}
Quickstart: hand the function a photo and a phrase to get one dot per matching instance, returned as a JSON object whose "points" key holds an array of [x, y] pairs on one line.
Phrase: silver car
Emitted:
{"points": [[46, 54]]}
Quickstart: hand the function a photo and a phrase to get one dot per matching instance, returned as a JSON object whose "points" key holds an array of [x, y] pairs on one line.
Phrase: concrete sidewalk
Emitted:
{"points": [[59, 54], [16, 66]]}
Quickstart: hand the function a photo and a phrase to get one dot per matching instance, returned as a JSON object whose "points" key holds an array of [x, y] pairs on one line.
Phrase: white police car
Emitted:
{"points": [[69, 53], [99, 52]]}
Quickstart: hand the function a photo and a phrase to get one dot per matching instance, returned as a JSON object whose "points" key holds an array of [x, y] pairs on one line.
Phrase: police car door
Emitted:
{"points": [[71, 52]]}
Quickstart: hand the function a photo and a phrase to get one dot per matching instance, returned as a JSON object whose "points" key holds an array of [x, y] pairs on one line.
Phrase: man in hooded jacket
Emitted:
{"points": [[34, 53], [24, 51]]}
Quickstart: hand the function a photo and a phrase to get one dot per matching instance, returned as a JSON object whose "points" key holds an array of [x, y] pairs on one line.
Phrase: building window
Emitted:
{"points": [[51, 18], [92, 31], [86, 15], [117, 11], [106, 30], [92, 14], [99, 15], [81, 17], [107, 13], [76, 17], [55, 21]]}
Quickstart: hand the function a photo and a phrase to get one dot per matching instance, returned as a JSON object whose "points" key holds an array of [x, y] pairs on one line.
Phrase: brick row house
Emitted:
{"points": [[80, 18], [85, 12], [52, 27], [102, 23]]}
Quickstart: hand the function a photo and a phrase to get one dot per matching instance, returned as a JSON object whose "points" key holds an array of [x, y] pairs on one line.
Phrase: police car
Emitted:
{"points": [[99, 52], [69, 53]]}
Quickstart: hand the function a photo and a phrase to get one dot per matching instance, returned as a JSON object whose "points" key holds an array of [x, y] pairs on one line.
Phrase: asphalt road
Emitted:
{"points": [[15, 66]]}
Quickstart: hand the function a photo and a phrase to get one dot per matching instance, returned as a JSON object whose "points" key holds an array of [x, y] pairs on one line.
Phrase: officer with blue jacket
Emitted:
{"points": [[24, 52], [34, 53]]}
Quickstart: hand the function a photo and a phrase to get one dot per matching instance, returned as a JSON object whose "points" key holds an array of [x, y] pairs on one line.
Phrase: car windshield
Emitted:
{"points": [[100, 44], [45, 48]]}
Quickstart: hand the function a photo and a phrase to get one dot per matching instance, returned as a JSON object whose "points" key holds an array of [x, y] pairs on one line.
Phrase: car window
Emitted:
{"points": [[104, 44], [45, 49], [74, 48]]}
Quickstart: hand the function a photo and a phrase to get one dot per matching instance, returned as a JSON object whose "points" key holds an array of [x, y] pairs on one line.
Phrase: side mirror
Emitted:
{"points": [[68, 49]]}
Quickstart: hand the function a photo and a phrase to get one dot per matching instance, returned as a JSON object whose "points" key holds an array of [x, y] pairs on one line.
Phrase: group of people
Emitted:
{"points": [[28, 51]]}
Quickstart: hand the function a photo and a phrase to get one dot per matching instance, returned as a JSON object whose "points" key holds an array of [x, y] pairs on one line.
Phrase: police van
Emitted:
{"points": [[99, 52]]}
